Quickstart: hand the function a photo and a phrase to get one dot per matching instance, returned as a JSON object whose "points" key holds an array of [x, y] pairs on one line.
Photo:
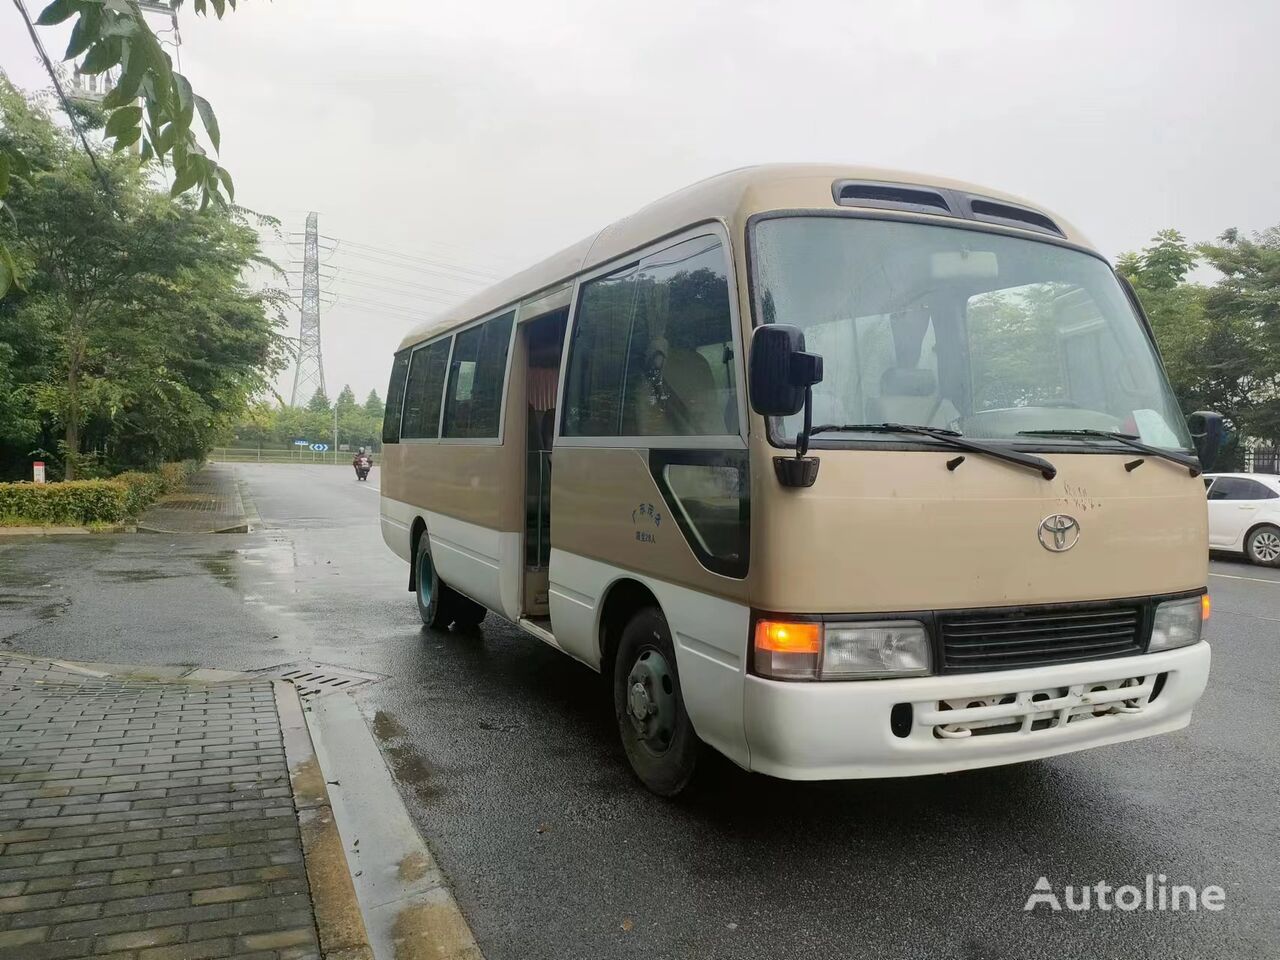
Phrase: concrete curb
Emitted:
{"points": [[64, 531], [339, 921], [409, 911], [248, 508]]}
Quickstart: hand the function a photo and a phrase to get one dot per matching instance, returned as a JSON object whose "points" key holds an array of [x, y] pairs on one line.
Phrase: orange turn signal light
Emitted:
{"points": [[1206, 606], [780, 637]]}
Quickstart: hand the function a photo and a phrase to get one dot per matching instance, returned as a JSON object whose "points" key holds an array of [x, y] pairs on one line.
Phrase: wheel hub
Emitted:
{"points": [[651, 701], [1267, 546]]}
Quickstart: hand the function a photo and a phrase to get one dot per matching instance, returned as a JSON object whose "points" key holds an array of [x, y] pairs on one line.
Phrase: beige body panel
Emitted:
{"points": [[594, 494], [477, 481], [729, 198], [893, 531]]}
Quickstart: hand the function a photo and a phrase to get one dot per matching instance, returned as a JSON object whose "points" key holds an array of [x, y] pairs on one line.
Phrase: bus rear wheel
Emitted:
{"points": [[435, 600], [439, 604], [656, 732]]}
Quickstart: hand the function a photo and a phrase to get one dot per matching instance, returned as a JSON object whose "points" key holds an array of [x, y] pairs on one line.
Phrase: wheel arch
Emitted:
{"points": [[622, 599]]}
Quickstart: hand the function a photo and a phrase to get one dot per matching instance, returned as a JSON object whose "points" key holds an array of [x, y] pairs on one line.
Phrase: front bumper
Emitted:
{"points": [[842, 730]]}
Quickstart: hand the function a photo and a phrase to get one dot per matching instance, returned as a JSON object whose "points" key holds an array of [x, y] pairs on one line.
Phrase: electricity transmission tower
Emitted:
{"points": [[309, 375]]}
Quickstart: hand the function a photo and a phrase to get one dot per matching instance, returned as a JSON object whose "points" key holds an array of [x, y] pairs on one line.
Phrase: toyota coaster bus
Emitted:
{"points": [[841, 472]]}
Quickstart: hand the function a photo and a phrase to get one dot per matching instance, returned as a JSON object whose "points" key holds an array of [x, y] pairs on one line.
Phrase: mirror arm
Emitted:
{"points": [[802, 438], [800, 470]]}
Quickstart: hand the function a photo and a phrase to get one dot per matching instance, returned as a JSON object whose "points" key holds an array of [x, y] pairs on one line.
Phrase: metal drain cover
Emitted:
{"points": [[313, 679]]}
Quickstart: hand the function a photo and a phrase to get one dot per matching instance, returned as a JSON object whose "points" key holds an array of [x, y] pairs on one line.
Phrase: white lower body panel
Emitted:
{"points": [[841, 730], [710, 637], [481, 563]]}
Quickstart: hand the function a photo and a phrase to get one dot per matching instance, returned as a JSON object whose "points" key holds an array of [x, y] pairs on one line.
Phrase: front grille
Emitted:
{"points": [[1027, 711], [1033, 636]]}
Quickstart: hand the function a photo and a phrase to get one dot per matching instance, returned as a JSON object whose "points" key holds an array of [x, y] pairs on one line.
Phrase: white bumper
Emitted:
{"points": [[841, 730]]}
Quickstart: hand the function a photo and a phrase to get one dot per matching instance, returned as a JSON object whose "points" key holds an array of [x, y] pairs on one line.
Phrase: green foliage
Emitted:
{"points": [[143, 489], [111, 33], [373, 405], [74, 503], [346, 401], [267, 426], [136, 339], [319, 402], [83, 502], [1221, 342]]}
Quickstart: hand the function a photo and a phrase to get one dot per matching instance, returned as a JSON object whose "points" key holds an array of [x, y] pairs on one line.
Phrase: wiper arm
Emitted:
{"points": [[1191, 463], [952, 437]]}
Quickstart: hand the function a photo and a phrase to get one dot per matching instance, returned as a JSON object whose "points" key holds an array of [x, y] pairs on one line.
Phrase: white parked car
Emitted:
{"points": [[1244, 515]]}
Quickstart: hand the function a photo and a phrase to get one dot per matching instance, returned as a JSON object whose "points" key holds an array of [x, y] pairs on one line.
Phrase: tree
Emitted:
{"points": [[1243, 309], [135, 337], [152, 104], [373, 405], [319, 402], [346, 400], [1221, 342]]}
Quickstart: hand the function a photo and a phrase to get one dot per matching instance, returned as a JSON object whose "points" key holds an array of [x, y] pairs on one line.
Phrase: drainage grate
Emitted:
{"points": [[314, 679]]}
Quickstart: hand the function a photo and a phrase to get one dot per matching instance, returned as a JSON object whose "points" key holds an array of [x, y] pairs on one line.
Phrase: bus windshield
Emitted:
{"points": [[979, 332]]}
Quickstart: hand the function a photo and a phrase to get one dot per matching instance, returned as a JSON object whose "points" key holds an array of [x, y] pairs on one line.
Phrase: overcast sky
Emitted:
{"points": [[485, 135]]}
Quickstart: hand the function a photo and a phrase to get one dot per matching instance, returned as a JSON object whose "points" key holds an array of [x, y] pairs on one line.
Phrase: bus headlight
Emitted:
{"points": [[1178, 623], [893, 648], [809, 650]]}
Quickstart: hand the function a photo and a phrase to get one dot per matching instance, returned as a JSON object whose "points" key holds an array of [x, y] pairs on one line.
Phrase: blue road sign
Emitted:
{"points": [[319, 447]]}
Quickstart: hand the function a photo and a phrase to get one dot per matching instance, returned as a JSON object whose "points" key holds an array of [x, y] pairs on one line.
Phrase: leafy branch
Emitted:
{"points": [[152, 105]]}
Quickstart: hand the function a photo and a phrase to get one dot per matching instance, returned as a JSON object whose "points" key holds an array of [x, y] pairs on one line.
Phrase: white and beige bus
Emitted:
{"points": [[841, 472]]}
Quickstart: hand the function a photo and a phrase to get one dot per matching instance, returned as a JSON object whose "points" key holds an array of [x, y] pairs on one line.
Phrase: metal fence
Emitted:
{"points": [[1262, 461], [278, 455]]}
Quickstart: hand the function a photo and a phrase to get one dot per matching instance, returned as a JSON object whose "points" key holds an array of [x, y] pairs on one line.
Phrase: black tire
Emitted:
{"points": [[434, 598], [1263, 546], [467, 614], [662, 746]]}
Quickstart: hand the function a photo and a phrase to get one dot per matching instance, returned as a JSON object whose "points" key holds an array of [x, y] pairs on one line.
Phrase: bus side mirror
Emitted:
{"points": [[781, 379], [781, 372], [1208, 432]]}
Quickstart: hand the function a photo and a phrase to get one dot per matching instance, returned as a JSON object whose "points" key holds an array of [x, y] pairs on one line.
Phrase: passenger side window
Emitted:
{"points": [[652, 352], [597, 356], [476, 378], [424, 390], [395, 398]]}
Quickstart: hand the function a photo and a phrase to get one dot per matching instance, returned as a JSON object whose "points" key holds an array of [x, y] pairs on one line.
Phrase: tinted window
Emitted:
{"points": [[424, 390], [652, 351], [1239, 488], [593, 389], [476, 375], [395, 396]]}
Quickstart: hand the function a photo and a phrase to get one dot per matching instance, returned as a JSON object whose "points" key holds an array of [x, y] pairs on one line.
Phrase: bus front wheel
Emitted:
{"points": [[657, 735]]}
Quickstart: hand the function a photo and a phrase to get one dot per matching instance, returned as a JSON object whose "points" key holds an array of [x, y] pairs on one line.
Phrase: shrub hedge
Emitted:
{"points": [[81, 502], [73, 503]]}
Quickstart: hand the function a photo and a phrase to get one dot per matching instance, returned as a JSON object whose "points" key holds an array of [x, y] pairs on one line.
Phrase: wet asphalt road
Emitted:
{"points": [[508, 762]]}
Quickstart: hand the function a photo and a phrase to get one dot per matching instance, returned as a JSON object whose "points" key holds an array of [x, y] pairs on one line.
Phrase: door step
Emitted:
{"points": [[540, 628]]}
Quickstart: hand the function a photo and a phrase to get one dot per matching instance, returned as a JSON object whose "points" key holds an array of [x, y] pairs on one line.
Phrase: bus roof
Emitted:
{"points": [[732, 197]]}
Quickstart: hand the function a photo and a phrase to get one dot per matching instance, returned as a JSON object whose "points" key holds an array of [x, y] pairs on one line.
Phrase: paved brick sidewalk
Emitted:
{"points": [[210, 503], [146, 820]]}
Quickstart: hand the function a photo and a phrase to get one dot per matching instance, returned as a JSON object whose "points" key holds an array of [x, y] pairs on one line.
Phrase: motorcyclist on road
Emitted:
{"points": [[361, 455]]}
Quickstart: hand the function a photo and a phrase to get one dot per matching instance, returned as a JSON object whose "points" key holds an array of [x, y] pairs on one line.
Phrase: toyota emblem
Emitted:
{"points": [[1059, 532]]}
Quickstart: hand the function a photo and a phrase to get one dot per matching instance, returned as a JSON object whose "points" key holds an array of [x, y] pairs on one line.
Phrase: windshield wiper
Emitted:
{"points": [[1191, 463], [952, 437]]}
